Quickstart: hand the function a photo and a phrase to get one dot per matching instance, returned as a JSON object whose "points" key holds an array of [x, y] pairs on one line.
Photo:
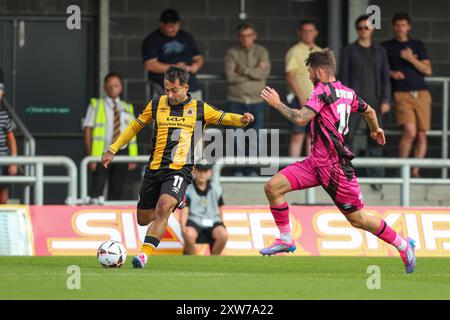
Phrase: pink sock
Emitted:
{"points": [[281, 215], [388, 235]]}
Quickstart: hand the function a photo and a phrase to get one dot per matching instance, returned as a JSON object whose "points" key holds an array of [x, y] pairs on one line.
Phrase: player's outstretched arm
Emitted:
{"points": [[129, 133], [125, 137], [247, 118], [376, 132], [298, 117], [219, 117]]}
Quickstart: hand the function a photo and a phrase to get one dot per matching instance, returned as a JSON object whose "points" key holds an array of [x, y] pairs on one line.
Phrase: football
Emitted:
{"points": [[111, 254]]}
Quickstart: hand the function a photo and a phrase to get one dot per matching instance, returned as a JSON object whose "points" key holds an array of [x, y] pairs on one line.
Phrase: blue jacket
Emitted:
{"points": [[350, 74]]}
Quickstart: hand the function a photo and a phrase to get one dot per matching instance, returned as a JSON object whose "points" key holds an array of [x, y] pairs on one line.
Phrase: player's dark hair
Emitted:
{"points": [[401, 16], [361, 18], [174, 73], [243, 26], [169, 16], [112, 75], [323, 59], [305, 22]]}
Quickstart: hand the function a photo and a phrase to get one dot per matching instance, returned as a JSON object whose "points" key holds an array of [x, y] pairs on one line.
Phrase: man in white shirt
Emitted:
{"points": [[105, 119]]}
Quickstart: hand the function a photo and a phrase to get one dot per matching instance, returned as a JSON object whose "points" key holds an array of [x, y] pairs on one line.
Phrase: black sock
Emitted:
{"points": [[152, 240]]}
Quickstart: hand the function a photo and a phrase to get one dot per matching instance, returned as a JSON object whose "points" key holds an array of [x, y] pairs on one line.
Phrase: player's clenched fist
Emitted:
{"points": [[247, 118], [271, 96], [107, 158]]}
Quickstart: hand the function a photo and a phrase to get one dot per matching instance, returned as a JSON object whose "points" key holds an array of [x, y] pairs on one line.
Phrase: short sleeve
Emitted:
{"points": [[150, 48], [316, 100], [291, 62], [9, 125], [188, 200], [358, 104], [421, 51], [221, 202], [89, 120], [194, 48]]}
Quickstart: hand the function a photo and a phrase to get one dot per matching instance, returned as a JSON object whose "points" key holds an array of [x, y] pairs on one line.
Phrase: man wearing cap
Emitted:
{"points": [[202, 217]]}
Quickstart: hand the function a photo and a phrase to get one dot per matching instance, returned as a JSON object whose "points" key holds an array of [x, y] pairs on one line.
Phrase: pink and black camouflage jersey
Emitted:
{"points": [[333, 103], [329, 164]]}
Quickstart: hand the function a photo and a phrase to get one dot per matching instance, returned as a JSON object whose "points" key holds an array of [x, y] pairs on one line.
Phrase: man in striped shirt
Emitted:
{"points": [[8, 146]]}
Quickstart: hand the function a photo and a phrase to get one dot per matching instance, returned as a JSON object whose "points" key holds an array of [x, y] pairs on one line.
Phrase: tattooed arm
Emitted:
{"points": [[298, 117]]}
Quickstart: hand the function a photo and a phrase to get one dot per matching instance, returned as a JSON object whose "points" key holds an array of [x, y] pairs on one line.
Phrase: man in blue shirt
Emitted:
{"points": [[169, 45], [409, 65]]}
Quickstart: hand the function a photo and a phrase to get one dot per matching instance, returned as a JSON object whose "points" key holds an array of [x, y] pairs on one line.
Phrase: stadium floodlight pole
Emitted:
{"points": [[335, 26]]}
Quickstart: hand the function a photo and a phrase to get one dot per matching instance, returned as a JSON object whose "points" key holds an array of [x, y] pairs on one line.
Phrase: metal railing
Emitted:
{"points": [[404, 180], [29, 143], [38, 179], [444, 132], [84, 197]]}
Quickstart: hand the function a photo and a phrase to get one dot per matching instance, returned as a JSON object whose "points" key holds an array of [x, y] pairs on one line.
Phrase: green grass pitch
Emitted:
{"points": [[206, 278]]}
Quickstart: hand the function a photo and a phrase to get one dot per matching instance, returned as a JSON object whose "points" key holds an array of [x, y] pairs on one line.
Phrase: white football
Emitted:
{"points": [[111, 254]]}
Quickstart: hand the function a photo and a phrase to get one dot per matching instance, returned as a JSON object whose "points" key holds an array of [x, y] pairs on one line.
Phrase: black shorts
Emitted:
{"points": [[163, 181], [204, 234]]}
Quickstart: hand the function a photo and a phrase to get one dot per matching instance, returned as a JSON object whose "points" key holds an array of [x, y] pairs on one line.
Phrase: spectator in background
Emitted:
{"points": [[8, 145], [247, 67], [409, 65], [105, 119], [365, 68], [170, 45], [202, 217], [299, 84], [1, 84]]}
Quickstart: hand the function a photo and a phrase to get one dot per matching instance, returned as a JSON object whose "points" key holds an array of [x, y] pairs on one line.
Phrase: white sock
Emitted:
{"points": [[286, 237], [402, 245]]}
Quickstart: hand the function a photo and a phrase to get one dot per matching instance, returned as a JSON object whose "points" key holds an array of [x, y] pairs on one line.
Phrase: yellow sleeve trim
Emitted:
{"points": [[231, 119], [125, 137]]}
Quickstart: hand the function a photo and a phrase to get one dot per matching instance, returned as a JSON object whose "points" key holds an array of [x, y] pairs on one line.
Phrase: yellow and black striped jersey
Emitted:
{"points": [[177, 129]]}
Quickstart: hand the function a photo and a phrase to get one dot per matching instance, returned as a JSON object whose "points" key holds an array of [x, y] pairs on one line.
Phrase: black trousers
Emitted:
{"points": [[116, 176]]}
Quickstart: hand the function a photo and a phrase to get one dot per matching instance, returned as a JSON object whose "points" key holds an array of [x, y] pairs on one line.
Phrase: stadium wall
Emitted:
{"points": [[317, 230], [213, 22]]}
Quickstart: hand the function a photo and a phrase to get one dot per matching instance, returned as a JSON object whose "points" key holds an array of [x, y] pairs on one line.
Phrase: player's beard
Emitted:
{"points": [[175, 101], [315, 80]]}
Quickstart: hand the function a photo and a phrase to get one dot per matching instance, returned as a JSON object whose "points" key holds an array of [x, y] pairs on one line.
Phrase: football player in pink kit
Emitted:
{"points": [[329, 164]]}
